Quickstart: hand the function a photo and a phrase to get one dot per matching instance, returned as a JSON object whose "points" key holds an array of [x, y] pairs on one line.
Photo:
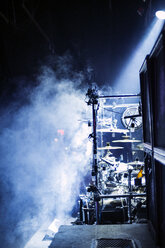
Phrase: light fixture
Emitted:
{"points": [[160, 9], [160, 14]]}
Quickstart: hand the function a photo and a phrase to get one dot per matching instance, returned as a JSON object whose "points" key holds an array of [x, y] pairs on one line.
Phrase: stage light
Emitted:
{"points": [[160, 14], [159, 9]]}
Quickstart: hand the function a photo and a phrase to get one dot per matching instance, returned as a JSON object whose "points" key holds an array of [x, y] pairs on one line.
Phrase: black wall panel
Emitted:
{"points": [[152, 81], [157, 68], [144, 80]]}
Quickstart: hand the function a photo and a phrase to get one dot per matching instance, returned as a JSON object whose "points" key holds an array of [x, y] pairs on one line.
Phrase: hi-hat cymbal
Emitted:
{"points": [[114, 130], [110, 148], [126, 141]]}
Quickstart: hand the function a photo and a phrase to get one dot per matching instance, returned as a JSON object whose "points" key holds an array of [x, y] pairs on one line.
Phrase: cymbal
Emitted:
{"points": [[114, 130], [136, 163], [110, 148], [125, 136], [126, 141]]}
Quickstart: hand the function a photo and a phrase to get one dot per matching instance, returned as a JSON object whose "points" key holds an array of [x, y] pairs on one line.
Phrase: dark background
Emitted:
{"points": [[99, 34]]}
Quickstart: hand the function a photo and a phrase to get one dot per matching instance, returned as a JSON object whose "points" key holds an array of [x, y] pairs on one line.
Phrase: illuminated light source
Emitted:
{"points": [[60, 131], [159, 9], [160, 14]]}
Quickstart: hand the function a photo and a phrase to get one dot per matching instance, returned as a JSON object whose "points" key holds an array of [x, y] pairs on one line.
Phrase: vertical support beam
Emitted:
{"points": [[129, 198], [94, 169]]}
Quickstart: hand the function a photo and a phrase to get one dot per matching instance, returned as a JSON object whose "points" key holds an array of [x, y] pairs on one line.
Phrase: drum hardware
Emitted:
{"points": [[111, 177], [140, 147], [123, 167], [110, 148], [132, 118], [111, 184], [108, 158], [138, 181], [136, 163], [114, 130], [130, 194], [109, 161], [124, 105], [126, 141], [109, 153]]}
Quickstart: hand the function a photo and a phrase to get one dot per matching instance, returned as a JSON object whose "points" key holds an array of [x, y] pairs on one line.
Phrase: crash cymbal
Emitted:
{"points": [[126, 141], [114, 130], [110, 148]]}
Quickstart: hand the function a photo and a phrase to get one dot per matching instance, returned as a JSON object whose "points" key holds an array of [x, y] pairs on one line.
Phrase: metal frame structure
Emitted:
{"points": [[93, 96]]}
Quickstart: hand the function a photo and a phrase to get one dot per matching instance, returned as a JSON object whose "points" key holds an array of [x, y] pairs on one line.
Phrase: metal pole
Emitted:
{"points": [[94, 169], [129, 199], [129, 195], [119, 96]]}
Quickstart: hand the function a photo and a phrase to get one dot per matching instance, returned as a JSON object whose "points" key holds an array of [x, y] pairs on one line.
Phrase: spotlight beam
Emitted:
{"points": [[128, 81]]}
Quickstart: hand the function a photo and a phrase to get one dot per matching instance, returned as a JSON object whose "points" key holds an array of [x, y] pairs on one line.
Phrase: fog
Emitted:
{"points": [[45, 155]]}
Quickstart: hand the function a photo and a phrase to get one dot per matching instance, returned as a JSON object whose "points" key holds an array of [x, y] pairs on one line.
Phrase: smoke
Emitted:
{"points": [[45, 155]]}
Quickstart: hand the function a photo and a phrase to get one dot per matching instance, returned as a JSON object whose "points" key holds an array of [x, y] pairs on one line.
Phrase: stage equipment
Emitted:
{"points": [[126, 136], [126, 141], [159, 8], [136, 163], [108, 130], [140, 146], [140, 174], [132, 118], [113, 189], [110, 148], [123, 168], [160, 14], [109, 160]]}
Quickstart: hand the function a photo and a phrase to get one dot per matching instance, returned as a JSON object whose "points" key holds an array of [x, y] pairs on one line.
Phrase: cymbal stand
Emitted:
{"points": [[93, 100], [129, 199]]}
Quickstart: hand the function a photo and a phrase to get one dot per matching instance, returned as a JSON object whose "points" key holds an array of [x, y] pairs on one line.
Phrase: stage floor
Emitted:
{"points": [[85, 236]]}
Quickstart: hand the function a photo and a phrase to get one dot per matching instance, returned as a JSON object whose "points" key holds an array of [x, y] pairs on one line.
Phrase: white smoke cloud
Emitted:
{"points": [[46, 152]]}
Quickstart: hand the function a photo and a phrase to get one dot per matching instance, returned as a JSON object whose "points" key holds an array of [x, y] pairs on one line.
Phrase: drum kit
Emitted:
{"points": [[113, 175], [116, 174]]}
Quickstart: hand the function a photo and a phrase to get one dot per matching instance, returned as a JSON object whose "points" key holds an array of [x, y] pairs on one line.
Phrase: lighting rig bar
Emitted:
{"points": [[131, 195], [120, 96]]}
